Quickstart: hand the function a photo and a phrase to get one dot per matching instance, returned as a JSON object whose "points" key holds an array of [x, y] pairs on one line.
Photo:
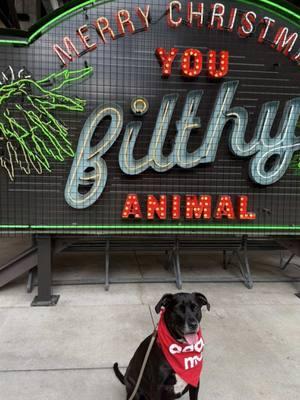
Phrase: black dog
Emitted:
{"points": [[182, 317]]}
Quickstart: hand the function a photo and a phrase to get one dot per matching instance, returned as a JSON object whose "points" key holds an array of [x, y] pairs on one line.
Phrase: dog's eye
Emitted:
{"points": [[194, 307]]}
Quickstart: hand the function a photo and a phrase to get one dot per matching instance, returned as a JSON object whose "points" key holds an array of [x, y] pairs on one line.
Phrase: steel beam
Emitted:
{"points": [[8, 14], [44, 297], [18, 266], [50, 5]]}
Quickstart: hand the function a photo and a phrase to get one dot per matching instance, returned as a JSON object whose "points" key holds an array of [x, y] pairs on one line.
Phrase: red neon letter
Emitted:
{"points": [[144, 16], [123, 20], [197, 209], [104, 29], [243, 209], [198, 15], [296, 57], [218, 11], [191, 65], [62, 54], [224, 208], [85, 38], [132, 207], [213, 72], [284, 43], [268, 23], [166, 60], [157, 207], [232, 18], [247, 24], [171, 22]]}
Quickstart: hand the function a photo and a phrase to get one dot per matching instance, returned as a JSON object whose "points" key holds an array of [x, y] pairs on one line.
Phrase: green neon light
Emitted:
{"points": [[39, 137], [278, 7], [64, 15], [156, 227], [271, 6], [276, 12], [14, 227], [172, 227]]}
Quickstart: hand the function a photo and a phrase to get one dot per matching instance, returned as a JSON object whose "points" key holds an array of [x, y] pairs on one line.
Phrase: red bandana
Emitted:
{"points": [[184, 358]]}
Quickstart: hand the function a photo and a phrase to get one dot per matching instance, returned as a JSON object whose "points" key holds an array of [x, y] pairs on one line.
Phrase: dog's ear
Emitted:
{"points": [[163, 302], [202, 300]]}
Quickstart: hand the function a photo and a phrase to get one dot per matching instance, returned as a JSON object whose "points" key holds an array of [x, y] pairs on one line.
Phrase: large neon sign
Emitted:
{"points": [[189, 120]]}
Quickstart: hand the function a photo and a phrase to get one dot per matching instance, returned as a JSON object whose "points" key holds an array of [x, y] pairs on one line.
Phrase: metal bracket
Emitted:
{"points": [[176, 265], [107, 265], [283, 265], [30, 280], [225, 260], [243, 263]]}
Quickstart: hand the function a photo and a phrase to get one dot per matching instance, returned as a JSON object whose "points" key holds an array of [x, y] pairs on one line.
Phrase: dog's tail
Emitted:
{"points": [[118, 373]]}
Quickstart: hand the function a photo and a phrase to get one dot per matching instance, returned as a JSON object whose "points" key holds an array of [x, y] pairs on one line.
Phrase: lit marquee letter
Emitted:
{"points": [[188, 122], [155, 158], [174, 5], [247, 24], [283, 42], [198, 15], [86, 38], [68, 53], [128, 164], [191, 63], [243, 209], [224, 208], [280, 148], [217, 15], [198, 208], [222, 71], [132, 207], [160, 162], [123, 20], [89, 169], [166, 60], [222, 113], [176, 204], [265, 146], [102, 27], [157, 207]]}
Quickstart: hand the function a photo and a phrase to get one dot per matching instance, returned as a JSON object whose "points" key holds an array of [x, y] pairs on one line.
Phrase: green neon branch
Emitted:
{"points": [[30, 133]]}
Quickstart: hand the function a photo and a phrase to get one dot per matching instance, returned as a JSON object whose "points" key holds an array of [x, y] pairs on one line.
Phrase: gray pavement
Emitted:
{"points": [[66, 352]]}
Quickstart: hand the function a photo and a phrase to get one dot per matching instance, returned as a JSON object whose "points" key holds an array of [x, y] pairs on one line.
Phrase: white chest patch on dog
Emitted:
{"points": [[180, 385]]}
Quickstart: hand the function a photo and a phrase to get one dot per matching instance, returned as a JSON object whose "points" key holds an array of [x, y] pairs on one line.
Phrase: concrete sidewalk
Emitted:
{"points": [[66, 352]]}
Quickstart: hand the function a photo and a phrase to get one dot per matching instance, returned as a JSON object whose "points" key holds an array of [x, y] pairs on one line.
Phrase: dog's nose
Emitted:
{"points": [[193, 324]]}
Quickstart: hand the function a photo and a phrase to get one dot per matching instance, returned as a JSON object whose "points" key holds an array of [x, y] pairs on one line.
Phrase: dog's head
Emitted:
{"points": [[183, 314]]}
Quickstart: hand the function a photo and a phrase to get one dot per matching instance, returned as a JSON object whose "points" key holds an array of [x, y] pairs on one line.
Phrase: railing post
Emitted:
{"points": [[44, 297]]}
